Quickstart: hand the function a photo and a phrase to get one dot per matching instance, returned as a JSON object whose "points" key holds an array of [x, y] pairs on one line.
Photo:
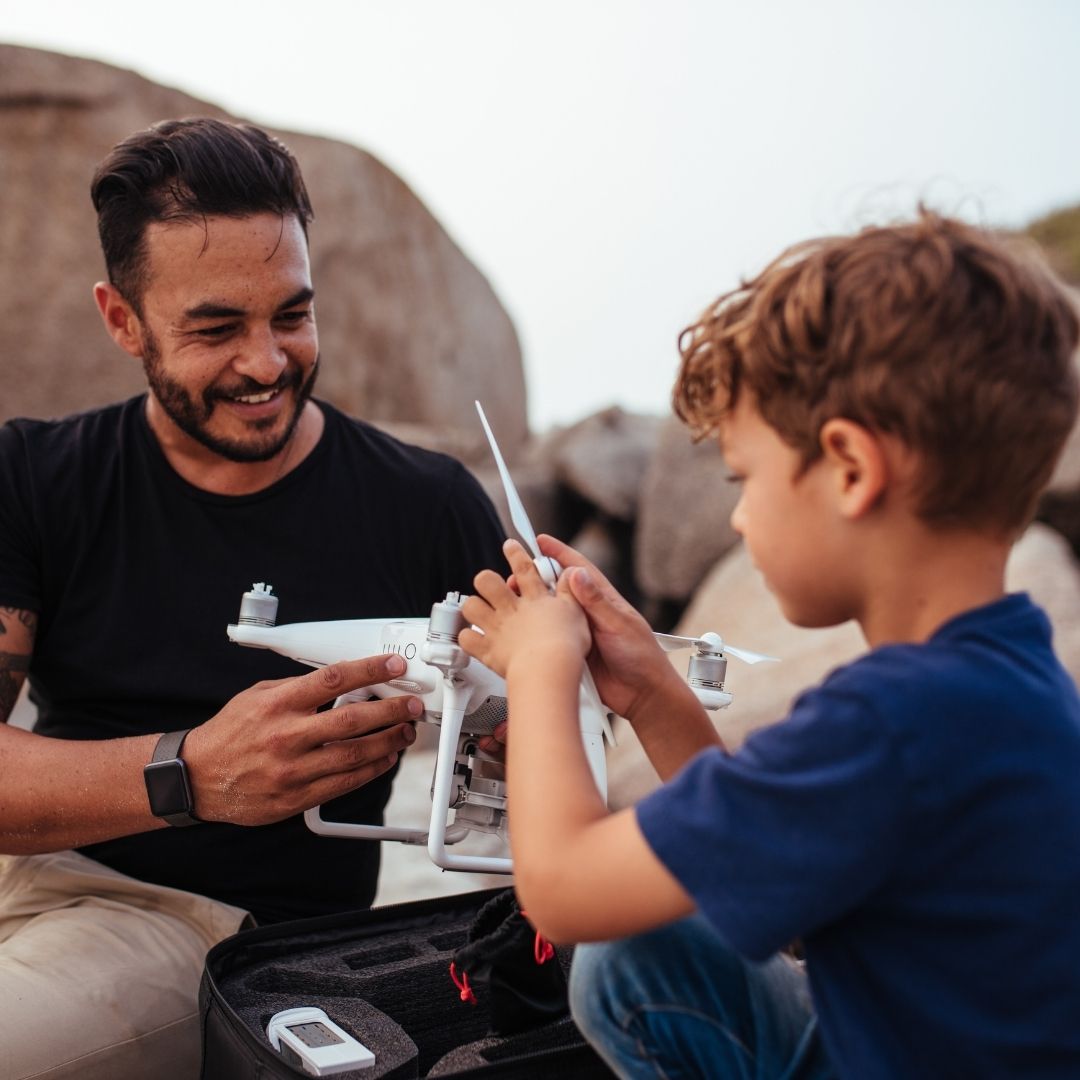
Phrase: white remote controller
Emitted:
{"points": [[309, 1039]]}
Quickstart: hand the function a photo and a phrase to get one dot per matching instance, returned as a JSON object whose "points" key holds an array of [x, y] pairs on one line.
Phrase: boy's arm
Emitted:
{"points": [[581, 873], [634, 676]]}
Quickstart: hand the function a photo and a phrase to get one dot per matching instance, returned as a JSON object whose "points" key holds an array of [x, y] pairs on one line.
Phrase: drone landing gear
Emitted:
{"points": [[449, 732], [439, 835]]}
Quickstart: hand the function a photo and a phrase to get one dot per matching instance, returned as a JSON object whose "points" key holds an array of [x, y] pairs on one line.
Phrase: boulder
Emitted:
{"points": [[410, 330], [683, 523], [602, 459], [1060, 504], [734, 602]]}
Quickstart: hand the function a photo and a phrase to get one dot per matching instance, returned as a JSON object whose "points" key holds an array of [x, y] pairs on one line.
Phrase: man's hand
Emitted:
{"points": [[268, 754]]}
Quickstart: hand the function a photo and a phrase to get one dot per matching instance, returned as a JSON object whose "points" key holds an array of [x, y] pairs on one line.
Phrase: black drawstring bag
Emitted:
{"points": [[524, 980]]}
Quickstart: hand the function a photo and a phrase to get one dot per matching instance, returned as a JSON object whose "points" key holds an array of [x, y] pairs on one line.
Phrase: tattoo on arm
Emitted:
{"points": [[12, 615], [17, 629], [13, 668]]}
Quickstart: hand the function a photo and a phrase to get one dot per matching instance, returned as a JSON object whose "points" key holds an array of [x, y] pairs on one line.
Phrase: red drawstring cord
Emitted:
{"points": [[543, 950], [463, 985]]}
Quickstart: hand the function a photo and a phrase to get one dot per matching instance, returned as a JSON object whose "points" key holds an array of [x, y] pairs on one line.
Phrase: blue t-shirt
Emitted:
{"points": [[916, 822]]}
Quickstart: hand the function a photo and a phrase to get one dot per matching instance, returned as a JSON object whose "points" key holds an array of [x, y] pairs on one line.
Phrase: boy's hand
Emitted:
{"points": [[524, 624], [626, 660]]}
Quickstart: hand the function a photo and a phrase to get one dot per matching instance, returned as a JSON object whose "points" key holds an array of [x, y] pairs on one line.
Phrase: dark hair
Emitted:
{"points": [[188, 170], [945, 335]]}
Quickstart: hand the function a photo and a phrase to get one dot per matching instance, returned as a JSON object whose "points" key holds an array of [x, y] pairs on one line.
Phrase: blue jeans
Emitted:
{"points": [[676, 1002]]}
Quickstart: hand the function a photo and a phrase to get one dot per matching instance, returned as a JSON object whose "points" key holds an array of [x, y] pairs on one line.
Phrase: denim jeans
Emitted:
{"points": [[676, 1002]]}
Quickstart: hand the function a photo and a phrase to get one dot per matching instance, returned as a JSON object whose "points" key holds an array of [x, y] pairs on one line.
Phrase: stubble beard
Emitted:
{"points": [[192, 416]]}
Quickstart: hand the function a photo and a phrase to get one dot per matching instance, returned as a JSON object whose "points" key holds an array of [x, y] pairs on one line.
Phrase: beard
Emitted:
{"points": [[192, 415]]}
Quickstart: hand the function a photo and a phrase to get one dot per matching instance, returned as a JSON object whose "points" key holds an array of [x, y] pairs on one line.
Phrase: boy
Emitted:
{"points": [[892, 404]]}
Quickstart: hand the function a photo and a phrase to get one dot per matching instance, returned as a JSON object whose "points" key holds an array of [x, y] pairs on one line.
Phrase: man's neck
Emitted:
{"points": [[209, 471]]}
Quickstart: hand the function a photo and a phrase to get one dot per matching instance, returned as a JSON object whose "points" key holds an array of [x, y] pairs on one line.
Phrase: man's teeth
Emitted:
{"points": [[255, 399]]}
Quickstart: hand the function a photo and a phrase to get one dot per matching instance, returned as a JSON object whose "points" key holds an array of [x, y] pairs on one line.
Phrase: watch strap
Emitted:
{"points": [[168, 749], [168, 746]]}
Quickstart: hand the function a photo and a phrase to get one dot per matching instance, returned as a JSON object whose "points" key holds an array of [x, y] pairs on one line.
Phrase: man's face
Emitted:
{"points": [[228, 332]]}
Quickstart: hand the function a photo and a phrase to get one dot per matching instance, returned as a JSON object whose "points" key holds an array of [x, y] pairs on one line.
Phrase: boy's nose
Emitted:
{"points": [[737, 517]]}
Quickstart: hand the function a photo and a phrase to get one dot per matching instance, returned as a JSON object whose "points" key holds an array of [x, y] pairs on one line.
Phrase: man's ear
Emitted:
{"points": [[119, 318], [857, 463]]}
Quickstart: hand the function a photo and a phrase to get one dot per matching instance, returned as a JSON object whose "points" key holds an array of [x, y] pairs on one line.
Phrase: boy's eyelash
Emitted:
{"points": [[734, 478]]}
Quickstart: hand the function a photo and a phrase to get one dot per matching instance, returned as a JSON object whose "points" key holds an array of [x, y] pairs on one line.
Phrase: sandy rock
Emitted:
{"points": [[734, 602], [409, 328], [603, 458], [683, 523], [1042, 564]]}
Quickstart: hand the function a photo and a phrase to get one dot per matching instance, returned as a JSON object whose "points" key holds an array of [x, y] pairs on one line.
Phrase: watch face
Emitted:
{"points": [[168, 788]]}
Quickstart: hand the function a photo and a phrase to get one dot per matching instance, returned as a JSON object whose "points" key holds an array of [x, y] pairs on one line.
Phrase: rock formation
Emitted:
{"points": [[409, 329]]}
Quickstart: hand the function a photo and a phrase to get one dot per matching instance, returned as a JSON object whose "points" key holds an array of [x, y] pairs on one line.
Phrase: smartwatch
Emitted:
{"points": [[167, 783]]}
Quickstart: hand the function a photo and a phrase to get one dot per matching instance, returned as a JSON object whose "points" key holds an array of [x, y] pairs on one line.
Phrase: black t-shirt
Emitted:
{"points": [[135, 574]]}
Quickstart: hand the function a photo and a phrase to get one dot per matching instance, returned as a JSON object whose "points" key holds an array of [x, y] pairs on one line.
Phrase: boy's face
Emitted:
{"points": [[789, 521]]}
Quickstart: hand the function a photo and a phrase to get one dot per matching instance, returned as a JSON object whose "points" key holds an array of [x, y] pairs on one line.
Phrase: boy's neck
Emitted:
{"points": [[928, 578]]}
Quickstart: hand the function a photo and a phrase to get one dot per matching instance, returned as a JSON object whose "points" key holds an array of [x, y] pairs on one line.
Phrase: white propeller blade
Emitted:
{"points": [[524, 527], [673, 642], [517, 508]]}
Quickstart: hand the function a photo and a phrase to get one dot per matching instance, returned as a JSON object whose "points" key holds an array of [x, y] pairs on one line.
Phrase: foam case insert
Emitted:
{"points": [[383, 976]]}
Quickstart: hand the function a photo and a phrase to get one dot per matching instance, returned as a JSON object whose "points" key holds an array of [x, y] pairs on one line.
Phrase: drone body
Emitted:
{"points": [[460, 695]]}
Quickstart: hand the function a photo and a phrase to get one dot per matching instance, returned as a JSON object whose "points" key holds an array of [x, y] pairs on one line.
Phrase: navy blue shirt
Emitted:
{"points": [[916, 822]]}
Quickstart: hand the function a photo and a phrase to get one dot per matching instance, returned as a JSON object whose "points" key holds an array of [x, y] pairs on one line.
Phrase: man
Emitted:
{"points": [[127, 536]]}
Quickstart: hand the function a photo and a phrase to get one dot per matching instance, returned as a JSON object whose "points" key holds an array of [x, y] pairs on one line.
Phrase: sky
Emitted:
{"points": [[612, 167]]}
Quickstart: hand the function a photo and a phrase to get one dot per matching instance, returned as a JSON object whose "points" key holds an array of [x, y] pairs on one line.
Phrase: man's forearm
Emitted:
{"points": [[63, 793]]}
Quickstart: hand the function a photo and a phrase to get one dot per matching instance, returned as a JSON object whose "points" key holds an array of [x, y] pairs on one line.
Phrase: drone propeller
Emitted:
{"points": [[524, 527], [712, 642], [517, 508]]}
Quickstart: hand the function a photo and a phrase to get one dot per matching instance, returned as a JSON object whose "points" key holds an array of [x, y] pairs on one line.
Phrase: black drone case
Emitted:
{"points": [[384, 976]]}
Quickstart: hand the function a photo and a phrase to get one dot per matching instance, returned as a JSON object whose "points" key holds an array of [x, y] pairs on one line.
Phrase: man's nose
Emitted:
{"points": [[261, 356]]}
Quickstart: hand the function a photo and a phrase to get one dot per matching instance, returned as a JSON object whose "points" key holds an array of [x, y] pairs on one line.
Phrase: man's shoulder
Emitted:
{"points": [[74, 431], [363, 438]]}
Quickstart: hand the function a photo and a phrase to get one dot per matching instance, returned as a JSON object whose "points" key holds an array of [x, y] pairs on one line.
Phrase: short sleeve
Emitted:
{"points": [[788, 834], [20, 583]]}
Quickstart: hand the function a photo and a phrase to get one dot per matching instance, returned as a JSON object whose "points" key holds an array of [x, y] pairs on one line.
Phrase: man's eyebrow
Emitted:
{"points": [[303, 296], [210, 310]]}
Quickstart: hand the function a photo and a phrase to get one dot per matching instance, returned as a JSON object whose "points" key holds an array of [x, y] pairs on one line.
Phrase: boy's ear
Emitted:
{"points": [[858, 465], [119, 317]]}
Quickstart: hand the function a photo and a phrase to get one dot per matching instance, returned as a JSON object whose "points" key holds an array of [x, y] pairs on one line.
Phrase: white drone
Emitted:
{"points": [[461, 696]]}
